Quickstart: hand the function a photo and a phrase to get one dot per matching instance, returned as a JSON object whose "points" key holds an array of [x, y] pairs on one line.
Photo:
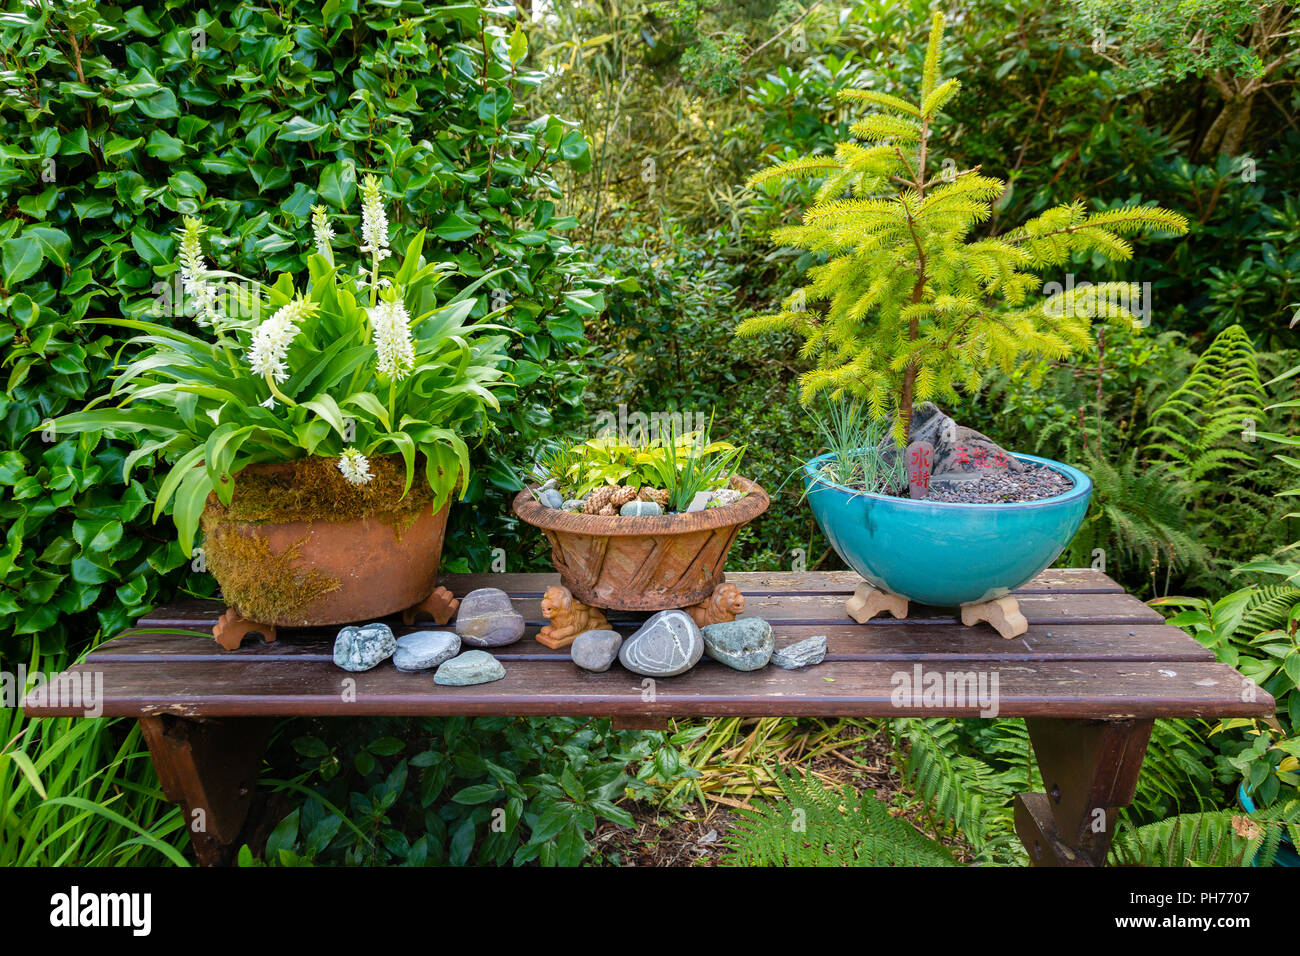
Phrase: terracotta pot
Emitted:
{"points": [[642, 563], [324, 571]]}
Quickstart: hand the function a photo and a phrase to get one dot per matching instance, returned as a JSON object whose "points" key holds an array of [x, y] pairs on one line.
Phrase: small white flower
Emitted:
{"points": [[269, 403], [355, 466], [374, 220], [390, 326], [271, 339], [194, 271], [322, 233]]}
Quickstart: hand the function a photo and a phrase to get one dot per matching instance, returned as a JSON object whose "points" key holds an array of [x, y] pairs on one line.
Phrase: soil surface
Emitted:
{"points": [[1033, 483]]}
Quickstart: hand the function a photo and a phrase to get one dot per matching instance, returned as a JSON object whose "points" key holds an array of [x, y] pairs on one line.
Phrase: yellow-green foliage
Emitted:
{"points": [[910, 298]]}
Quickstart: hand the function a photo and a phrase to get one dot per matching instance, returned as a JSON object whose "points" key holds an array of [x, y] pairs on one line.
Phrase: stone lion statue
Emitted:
{"points": [[723, 604], [569, 617]]}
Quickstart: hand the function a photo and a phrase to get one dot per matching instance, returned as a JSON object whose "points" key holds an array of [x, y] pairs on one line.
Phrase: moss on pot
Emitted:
{"points": [[313, 489], [260, 584]]}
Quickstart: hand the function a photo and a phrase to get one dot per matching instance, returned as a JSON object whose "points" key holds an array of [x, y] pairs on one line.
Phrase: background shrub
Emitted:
{"points": [[116, 121]]}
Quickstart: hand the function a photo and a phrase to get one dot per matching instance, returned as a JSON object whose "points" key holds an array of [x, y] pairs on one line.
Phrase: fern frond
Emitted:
{"points": [[817, 826]]}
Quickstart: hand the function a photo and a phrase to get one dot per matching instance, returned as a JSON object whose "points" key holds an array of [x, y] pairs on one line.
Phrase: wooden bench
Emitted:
{"points": [[1093, 671]]}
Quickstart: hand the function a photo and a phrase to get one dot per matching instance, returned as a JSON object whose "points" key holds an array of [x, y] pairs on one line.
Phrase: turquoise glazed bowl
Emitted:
{"points": [[945, 553]]}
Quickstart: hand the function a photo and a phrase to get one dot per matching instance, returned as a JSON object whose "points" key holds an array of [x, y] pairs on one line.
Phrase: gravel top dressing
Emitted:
{"points": [[1033, 483]]}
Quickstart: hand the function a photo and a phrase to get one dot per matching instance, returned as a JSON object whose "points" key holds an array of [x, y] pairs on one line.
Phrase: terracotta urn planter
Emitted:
{"points": [[649, 563], [299, 546]]}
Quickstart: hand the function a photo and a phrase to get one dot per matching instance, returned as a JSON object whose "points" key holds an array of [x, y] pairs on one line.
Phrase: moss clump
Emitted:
{"points": [[313, 489], [262, 585]]}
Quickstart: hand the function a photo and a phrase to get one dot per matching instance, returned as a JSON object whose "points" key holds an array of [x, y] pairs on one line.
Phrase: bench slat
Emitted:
{"points": [[798, 608], [884, 640], [1078, 580], [1078, 689]]}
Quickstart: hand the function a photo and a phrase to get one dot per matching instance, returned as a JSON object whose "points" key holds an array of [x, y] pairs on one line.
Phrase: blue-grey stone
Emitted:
{"points": [[745, 644], [804, 654], [700, 501], [574, 504], [667, 644], [641, 508], [551, 498], [595, 650], [360, 647], [486, 618], [424, 650], [472, 667]]}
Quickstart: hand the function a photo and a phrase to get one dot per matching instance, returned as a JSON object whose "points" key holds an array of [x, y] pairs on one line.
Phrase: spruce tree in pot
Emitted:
{"points": [[917, 307]]}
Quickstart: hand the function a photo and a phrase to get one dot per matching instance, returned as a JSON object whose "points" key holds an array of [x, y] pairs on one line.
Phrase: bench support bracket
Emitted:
{"points": [[210, 768], [1090, 770]]}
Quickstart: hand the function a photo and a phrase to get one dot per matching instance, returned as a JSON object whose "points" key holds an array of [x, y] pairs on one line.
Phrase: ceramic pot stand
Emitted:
{"points": [[1003, 613]]}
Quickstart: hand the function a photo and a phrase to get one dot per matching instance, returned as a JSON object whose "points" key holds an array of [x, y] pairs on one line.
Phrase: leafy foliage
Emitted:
{"points": [[1198, 428], [858, 445], [963, 787], [1138, 517], [818, 826], [681, 462], [1215, 838], [117, 121], [323, 375], [455, 791]]}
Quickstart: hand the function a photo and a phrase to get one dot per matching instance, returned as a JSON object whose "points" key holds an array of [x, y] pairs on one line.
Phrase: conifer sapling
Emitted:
{"points": [[914, 307]]}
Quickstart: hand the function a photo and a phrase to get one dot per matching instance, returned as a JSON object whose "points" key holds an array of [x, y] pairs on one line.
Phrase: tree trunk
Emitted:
{"points": [[1228, 130]]}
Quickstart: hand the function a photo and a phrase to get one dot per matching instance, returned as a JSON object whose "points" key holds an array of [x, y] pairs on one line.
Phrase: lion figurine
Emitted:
{"points": [[569, 617], [723, 604]]}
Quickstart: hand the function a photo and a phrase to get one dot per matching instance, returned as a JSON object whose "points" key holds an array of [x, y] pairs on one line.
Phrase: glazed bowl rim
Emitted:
{"points": [[1082, 487]]}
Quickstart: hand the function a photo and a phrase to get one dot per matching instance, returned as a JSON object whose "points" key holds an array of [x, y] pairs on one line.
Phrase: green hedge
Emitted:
{"points": [[116, 121]]}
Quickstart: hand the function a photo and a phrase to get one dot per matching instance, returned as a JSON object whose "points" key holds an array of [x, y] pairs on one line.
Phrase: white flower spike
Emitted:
{"points": [[374, 221], [194, 271], [322, 233], [355, 466], [390, 326], [271, 339]]}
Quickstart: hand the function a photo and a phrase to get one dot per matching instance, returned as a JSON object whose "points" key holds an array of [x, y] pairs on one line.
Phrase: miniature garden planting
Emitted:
{"points": [[669, 327]]}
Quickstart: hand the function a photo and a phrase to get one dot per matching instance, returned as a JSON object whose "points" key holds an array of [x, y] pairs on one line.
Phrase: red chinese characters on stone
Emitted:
{"points": [[920, 461]]}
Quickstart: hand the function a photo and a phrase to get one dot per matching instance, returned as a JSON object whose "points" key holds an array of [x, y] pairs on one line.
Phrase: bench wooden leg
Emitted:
{"points": [[210, 768], [1090, 770]]}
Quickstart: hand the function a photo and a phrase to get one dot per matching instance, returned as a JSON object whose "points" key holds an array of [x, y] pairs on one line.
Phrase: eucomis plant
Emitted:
{"points": [[914, 305]]}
